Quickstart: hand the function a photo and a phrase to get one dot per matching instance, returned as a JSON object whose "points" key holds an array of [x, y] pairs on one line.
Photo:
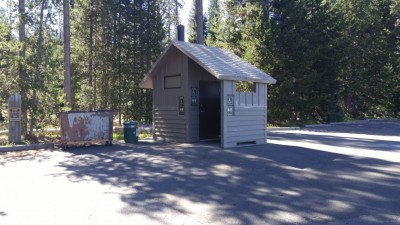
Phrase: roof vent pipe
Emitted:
{"points": [[181, 32]]}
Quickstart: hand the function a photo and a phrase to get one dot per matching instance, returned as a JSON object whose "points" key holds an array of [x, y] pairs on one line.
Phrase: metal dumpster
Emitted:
{"points": [[82, 127]]}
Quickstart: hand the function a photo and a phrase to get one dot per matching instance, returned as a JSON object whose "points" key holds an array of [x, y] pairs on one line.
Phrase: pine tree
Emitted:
{"points": [[365, 72], [192, 23], [214, 23], [306, 53]]}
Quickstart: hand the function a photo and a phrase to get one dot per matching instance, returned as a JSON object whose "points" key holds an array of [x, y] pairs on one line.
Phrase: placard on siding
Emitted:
{"points": [[230, 104]]}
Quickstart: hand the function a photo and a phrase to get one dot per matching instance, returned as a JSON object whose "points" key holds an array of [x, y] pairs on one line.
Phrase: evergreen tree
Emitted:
{"points": [[120, 41], [365, 72], [306, 54], [192, 23], [214, 23], [394, 41]]}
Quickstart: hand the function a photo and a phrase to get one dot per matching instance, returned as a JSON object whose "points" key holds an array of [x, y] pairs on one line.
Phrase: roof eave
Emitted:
{"points": [[192, 57], [147, 80], [268, 81], [216, 74]]}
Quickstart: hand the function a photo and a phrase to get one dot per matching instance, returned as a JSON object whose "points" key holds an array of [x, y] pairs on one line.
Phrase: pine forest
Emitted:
{"points": [[334, 60]]}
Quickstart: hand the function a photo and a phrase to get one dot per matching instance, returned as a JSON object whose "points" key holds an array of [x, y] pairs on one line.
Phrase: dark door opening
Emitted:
{"points": [[210, 110]]}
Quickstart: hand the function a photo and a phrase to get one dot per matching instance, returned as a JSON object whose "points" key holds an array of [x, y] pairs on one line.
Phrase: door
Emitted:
{"points": [[210, 110]]}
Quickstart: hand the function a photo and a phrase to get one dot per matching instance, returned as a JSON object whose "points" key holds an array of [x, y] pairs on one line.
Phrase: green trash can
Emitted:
{"points": [[131, 132]]}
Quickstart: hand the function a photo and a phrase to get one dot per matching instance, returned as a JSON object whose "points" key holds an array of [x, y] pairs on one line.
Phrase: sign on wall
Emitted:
{"points": [[15, 114], [194, 94], [181, 105], [230, 105]]}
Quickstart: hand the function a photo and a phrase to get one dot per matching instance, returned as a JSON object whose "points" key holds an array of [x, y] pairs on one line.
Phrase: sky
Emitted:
{"points": [[3, 3]]}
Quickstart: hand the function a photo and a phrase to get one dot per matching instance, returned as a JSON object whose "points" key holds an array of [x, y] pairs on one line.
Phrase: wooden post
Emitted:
{"points": [[14, 119]]}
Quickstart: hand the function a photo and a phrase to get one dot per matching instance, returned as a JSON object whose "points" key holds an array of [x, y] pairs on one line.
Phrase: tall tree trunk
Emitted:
{"points": [[22, 72], [34, 80], [92, 104], [67, 55], [40, 36], [199, 22], [21, 11], [176, 14]]}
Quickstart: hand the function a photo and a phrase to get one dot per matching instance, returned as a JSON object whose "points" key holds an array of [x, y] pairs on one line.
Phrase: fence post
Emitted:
{"points": [[14, 119]]}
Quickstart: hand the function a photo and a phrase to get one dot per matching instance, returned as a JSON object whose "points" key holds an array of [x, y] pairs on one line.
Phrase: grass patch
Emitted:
{"points": [[142, 135], [37, 137], [145, 135], [118, 136], [3, 140]]}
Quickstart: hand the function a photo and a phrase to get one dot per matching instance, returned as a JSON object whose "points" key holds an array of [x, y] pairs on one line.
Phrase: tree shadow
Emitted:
{"points": [[26, 155], [250, 185]]}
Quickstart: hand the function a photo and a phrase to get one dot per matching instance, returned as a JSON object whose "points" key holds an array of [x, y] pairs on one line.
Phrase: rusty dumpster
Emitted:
{"points": [[86, 127]]}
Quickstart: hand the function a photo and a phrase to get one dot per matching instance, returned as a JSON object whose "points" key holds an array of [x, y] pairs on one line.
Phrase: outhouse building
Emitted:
{"points": [[195, 96]]}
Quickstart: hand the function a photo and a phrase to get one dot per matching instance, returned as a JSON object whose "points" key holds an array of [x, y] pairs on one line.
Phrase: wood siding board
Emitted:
{"points": [[249, 113], [250, 108], [266, 110], [246, 133], [185, 75], [245, 126], [168, 123], [170, 134], [226, 88], [249, 99], [172, 118], [242, 97], [169, 139], [263, 95], [246, 120], [167, 113], [170, 131]]}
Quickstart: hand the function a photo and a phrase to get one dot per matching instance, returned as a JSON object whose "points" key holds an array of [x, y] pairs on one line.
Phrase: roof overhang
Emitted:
{"points": [[222, 64]]}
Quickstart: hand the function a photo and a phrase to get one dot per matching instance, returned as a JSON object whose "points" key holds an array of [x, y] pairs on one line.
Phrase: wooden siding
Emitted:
{"points": [[248, 124], [196, 74], [168, 124]]}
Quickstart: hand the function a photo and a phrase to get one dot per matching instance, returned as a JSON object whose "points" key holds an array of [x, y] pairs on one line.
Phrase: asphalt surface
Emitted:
{"points": [[340, 174]]}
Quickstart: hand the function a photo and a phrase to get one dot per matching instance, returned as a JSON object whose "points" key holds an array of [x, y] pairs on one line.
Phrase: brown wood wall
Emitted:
{"points": [[168, 124]]}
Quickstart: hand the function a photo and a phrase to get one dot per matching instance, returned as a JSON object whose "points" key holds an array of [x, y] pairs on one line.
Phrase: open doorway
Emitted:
{"points": [[210, 110]]}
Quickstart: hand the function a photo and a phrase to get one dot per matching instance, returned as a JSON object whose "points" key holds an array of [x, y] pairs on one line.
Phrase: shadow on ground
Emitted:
{"points": [[27, 155], [250, 185]]}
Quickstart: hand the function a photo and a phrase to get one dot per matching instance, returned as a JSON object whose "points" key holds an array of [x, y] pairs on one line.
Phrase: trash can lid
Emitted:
{"points": [[130, 122]]}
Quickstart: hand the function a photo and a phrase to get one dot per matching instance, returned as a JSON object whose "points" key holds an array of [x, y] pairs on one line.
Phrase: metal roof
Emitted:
{"points": [[221, 63]]}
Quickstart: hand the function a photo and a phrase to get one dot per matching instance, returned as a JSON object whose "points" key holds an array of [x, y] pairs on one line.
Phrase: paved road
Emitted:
{"points": [[343, 174]]}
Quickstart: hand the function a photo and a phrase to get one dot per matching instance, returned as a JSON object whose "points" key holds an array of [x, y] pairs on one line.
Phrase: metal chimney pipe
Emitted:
{"points": [[181, 32]]}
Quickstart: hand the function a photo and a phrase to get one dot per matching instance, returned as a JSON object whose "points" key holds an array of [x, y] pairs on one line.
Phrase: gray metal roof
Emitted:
{"points": [[221, 63]]}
